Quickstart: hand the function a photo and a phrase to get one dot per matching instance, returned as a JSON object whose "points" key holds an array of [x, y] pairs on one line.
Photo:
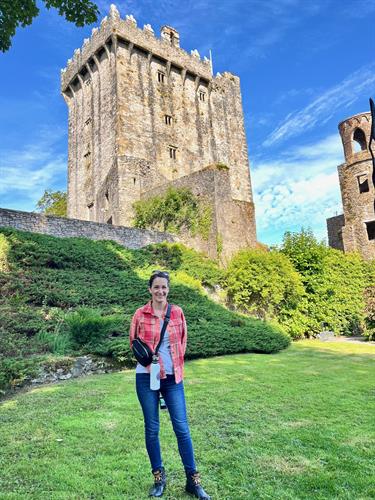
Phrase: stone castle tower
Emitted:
{"points": [[144, 115], [354, 230]]}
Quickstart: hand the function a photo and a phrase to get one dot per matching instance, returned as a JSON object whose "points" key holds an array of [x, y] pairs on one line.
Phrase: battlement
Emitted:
{"points": [[355, 136], [113, 29]]}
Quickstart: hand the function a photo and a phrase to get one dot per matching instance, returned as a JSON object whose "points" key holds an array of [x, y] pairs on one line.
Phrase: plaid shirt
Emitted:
{"points": [[145, 325]]}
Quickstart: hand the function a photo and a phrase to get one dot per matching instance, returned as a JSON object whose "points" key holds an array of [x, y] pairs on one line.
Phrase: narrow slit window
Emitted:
{"points": [[172, 152], [202, 95], [110, 221], [363, 183], [370, 226], [161, 77], [168, 119]]}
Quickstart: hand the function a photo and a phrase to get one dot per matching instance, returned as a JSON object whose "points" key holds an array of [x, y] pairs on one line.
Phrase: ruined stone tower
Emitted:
{"points": [[355, 229], [144, 115]]}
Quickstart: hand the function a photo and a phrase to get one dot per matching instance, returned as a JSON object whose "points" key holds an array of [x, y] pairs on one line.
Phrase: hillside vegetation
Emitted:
{"points": [[73, 296]]}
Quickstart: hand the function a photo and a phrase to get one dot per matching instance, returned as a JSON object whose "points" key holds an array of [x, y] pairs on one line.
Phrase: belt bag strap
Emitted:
{"points": [[165, 324]]}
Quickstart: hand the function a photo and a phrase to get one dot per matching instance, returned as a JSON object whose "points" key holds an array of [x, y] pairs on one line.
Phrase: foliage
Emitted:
{"points": [[334, 282], [177, 210], [266, 285], [370, 300], [175, 256], [74, 296], [14, 371], [53, 203], [15, 13]]}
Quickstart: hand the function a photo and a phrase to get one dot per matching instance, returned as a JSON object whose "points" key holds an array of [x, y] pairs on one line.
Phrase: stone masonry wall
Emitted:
{"points": [[62, 227], [230, 229], [334, 229]]}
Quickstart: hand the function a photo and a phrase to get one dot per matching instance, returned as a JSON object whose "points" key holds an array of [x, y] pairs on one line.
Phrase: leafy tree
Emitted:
{"points": [[53, 203], [335, 283], [14, 13]]}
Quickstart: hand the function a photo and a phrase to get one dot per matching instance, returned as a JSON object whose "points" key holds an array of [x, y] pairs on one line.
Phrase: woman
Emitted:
{"points": [[146, 325]]}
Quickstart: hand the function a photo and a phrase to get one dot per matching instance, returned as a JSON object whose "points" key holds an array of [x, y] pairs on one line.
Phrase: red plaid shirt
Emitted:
{"points": [[145, 325]]}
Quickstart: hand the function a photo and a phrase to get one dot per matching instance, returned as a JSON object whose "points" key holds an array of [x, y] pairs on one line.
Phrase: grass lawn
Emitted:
{"points": [[294, 425]]}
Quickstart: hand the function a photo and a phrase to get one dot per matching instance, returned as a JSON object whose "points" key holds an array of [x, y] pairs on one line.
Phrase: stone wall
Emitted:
{"points": [[334, 230], [230, 229], [62, 227]]}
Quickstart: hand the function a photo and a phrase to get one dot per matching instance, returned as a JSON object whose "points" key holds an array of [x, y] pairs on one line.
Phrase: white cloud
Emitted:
{"points": [[298, 189], [25, 173], [321, 109]]}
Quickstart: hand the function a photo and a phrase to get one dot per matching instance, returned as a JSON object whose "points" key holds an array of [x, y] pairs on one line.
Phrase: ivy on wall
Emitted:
{"points": [[175, 211]]}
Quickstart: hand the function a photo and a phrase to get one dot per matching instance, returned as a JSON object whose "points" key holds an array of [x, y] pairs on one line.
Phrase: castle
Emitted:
{"points": [[145, 115], [354, 230]]}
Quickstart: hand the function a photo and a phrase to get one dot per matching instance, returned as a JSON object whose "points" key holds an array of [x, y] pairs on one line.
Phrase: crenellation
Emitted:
{"points": [[147, 28], [128, 30]]}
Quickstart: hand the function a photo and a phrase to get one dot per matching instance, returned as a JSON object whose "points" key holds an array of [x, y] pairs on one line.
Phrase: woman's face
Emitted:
{"points": [[159, 290]]}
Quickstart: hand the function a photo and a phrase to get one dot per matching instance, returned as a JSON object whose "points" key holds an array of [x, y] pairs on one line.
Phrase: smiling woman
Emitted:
{"points": [[163, 379]]}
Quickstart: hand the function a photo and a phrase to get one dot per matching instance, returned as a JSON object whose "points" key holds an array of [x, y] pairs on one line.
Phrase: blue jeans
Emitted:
{"points": [[174, 398]]}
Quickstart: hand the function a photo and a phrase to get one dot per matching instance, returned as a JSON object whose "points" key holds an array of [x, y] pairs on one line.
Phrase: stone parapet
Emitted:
{"points": [[144, 38], [62, 227]]}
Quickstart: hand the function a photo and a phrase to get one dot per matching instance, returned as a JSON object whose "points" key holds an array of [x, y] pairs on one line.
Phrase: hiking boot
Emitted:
{"points": [[160, 483], [193, 486]]}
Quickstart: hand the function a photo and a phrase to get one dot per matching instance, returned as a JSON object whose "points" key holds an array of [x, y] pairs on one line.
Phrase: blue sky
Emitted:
{"points": [[304, 66]]}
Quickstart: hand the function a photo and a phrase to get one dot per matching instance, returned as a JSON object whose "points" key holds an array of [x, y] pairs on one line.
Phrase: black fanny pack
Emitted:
{"points": [[142, 353]]}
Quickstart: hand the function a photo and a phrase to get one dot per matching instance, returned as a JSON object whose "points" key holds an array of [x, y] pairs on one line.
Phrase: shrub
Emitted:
{"points": [[334, 282], [176, 256], [15, 371], [174, 211], [266, 285], [86, 326]]}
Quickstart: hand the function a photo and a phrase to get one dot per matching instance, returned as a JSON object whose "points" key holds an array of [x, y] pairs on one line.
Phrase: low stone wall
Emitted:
{"points": [[62, 227]]}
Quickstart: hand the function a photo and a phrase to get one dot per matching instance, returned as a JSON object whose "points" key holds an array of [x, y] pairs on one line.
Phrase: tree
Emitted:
{"points": [[53, 203], [14, 13]]}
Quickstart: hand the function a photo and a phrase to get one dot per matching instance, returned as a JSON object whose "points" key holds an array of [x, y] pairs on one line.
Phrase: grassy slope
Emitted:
{"points": [[44, 278], [294, 425]]}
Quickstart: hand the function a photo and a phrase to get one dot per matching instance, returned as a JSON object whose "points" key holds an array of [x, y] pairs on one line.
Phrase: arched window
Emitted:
{"points": [[359, 140]]}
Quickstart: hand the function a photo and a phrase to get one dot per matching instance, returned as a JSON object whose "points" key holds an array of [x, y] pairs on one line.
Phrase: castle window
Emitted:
{"points": [[202, 95], [168, 119], [359, 140], [110, 221], [106, 198], [161, 77], [87, 155], [370, 226], [88, 81], [363, 183], [88, 121], [172, 152]]}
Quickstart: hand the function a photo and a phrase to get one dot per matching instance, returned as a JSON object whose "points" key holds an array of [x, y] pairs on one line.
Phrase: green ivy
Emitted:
{"points": [[177, 210]]}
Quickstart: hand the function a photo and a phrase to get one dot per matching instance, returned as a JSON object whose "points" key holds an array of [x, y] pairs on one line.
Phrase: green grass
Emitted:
{"points": [[294, 425]]}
